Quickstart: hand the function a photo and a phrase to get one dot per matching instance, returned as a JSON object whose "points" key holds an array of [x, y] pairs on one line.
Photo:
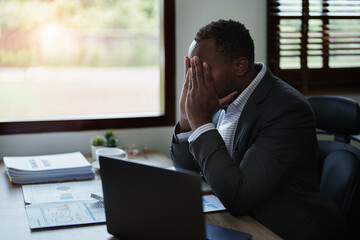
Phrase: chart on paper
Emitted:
{"points": [[211, 203], [65, 213], [60, 192]]}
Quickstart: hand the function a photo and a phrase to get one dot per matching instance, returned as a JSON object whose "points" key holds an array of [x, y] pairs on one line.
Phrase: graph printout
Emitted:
{"points": [[65, 213], [60, 192], [211, 203]]}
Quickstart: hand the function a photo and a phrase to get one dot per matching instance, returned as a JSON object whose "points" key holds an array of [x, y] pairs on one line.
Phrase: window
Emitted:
{"points": [[86, 64], [315, 44]]}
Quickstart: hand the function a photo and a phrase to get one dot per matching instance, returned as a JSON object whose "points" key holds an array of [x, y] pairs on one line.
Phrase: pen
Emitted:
{"points": [[97, 197]]}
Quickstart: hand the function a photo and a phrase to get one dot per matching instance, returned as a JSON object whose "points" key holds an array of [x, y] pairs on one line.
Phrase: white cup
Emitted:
{"points": [[109, 152]]}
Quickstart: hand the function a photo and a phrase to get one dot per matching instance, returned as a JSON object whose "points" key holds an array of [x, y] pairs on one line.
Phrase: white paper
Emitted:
{"points": [[65, 213], [48, 168], [60, 192], [211, 203], [46, 162]]}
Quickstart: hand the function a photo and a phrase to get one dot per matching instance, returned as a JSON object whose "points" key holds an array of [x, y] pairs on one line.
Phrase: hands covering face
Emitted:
{"points": [[199, 101]]}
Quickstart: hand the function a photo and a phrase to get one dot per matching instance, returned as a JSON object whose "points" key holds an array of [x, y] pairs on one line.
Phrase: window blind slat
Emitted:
{"points": [[311, 34]]}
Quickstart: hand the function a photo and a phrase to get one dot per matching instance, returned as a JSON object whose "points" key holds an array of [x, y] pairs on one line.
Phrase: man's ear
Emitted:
{"points": [[240, 66]]}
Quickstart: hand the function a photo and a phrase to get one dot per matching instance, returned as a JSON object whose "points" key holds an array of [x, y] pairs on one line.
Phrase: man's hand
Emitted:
{"points": [[183, 122], [201, 100]]}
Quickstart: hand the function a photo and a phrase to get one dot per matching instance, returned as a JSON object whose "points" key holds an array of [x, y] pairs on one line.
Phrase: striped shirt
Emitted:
{"points": [[229, 118]]}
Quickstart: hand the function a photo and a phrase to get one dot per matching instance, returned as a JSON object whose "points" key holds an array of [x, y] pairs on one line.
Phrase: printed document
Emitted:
{"points": [[73, 203], [60, 192], [65, 213], [48, 168], [212, 203], [63, 204]]}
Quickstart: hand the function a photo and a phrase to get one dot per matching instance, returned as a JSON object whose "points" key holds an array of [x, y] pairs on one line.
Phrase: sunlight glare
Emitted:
{"points": [[51, 30]]}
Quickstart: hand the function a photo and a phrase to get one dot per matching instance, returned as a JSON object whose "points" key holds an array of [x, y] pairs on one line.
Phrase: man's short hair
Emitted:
{"points": [[231, 38]]}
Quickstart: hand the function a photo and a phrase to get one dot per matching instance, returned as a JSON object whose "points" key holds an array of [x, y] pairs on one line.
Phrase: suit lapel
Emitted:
{"points": [[248, 114], [250, 111]]}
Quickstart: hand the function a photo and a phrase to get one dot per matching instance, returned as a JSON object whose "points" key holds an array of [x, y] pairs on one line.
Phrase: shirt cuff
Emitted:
{"points": [[180, 137], [183, 137], [200, 130]]}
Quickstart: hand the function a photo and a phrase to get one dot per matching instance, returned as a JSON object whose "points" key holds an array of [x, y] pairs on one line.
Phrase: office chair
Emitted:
{"points": [[339, 162]]}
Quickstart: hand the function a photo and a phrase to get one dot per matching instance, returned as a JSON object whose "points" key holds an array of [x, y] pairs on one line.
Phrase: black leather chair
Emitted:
{"points": [[339, 161]]}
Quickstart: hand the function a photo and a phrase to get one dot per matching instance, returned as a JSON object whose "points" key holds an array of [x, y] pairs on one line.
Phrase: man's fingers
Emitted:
{"points": [[185, 87], [190, 80], [207, 77], [186, 65], [187, 78], [193, 79], [199, 72]]}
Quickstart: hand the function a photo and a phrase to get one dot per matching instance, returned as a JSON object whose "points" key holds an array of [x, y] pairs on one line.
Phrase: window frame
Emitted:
{"points": [[323, 80], [167, 72]]}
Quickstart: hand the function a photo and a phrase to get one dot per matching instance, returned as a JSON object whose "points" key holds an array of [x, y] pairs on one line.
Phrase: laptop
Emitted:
{"points": [[149, 202]]}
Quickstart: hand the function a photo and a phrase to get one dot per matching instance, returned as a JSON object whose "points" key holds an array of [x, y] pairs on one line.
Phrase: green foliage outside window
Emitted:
{"points": [[89, 33]]}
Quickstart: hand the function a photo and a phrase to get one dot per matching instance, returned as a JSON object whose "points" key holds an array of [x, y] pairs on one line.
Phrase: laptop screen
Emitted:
{"points": [[147, 202]]}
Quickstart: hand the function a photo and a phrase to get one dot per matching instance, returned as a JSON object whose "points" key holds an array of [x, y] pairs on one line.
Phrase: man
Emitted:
{"points": [[252, 136]]}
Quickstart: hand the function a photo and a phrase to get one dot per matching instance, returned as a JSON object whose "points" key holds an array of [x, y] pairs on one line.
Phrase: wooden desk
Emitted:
{"points": [[14, 224]]}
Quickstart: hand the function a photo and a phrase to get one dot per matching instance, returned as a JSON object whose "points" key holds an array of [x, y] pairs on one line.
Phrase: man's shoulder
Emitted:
{"points": [[280, 87], [274, 88], [278, 96]]}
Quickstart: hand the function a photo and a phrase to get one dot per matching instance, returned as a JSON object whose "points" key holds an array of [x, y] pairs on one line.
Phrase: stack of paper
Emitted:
{"points": [[48, 168]]}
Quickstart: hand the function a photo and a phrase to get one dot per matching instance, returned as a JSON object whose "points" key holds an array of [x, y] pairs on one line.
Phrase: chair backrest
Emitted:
{"points": [[338, 177], [338, 116], [339, 162]]}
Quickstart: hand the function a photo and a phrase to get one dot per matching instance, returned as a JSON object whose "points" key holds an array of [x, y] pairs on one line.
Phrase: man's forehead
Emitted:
{"points": [[193, 47], [205, 49]]}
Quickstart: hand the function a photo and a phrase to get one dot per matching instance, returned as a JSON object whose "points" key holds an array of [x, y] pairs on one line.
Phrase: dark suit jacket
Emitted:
{"points": [[273, 175]]}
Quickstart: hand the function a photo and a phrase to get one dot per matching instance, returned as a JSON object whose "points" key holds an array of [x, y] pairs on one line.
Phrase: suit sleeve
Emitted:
{"points": [[180, 154], [277, 148]]}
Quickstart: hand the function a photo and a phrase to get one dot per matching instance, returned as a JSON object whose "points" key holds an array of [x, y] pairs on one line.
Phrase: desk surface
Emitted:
{"points": [[14, 224]]}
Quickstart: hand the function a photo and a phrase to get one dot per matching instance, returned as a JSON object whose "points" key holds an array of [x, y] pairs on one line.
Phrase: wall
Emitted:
{"points": [[190, 16]]}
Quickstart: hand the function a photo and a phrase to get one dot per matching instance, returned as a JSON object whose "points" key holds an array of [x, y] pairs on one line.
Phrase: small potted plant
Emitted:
{"points": [[107, 141], [96, 143], [110, 139]]}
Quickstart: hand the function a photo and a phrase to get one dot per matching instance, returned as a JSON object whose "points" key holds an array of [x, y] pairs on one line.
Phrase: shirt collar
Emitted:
{"points": [[241, 100]]}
